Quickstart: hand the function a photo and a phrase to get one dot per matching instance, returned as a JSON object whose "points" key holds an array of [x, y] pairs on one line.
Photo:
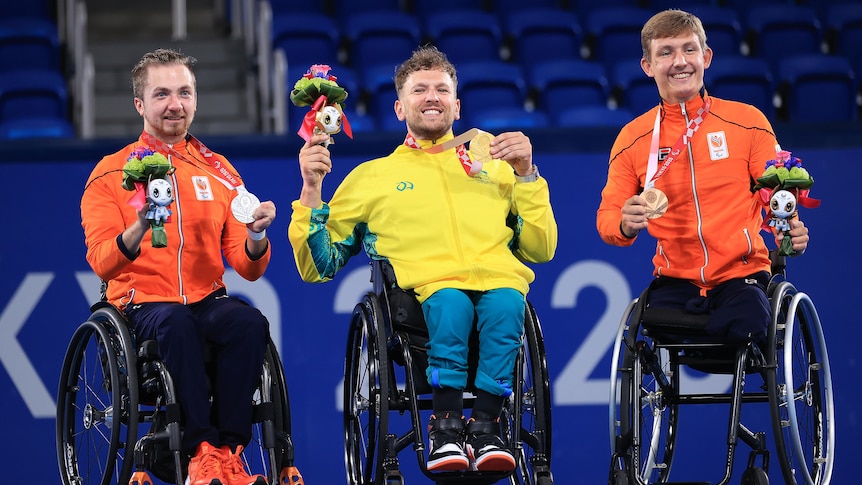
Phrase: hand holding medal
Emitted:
{"points": [[656, 202], [318, 89]]}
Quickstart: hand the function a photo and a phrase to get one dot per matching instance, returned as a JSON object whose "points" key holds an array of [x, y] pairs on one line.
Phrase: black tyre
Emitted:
{"points": [[366, 396]]}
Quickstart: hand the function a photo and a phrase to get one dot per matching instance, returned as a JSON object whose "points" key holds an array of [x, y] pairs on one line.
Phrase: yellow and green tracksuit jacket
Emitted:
{"points": [[438, 226]]}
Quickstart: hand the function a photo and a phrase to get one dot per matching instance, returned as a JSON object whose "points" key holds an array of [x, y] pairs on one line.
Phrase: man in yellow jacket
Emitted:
{"points": [[697, 157], [457, 228], [175, 294]]}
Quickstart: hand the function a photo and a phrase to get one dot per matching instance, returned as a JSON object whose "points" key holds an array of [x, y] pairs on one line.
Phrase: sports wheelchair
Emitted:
{"points": [[385, 374], [112, 387], [653, 344]]}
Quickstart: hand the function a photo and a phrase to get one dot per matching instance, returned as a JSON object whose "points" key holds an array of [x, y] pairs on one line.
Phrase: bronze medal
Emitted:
{"points": [[656, 202]]}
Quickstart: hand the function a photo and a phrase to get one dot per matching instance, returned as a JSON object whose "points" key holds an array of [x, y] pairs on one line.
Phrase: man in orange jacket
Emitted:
{"points": [[176, 294], [697, 157]]}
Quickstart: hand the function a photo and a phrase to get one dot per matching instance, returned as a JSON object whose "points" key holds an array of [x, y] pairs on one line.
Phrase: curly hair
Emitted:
{"points": [[426, 57]]}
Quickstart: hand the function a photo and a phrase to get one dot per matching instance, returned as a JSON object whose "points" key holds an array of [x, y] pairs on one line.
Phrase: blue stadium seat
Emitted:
{"points": [[723, 29], [483, 85], [688, 5], [536, 35], [40, 9], [426, 8], [33, 93], [36, 128], [345, 10], [583, 8], [465, 34], [818, 87], [306, 38], [30, 42], [504, 8], [843, 29], [378, 84], [632, 88], [382, 37], [614, 33], [279, 7], [583, 116], [568, 82], [745, 79], [778, 31], [499, 120]]}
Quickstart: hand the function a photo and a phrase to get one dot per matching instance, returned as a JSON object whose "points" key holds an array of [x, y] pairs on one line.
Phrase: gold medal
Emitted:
{"points": [[480, 146], [656, 202]]}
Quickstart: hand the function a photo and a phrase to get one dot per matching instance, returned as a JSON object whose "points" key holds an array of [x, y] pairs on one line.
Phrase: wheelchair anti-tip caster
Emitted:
{"points": [[755, 476]]}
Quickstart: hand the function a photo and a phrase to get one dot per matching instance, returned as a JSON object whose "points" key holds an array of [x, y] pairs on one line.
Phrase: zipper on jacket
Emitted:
{"points": [[178, 214], [696, 200]]}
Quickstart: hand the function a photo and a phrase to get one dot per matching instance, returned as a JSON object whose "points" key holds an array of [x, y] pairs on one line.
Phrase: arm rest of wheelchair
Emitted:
{"points": [[674, 321]]}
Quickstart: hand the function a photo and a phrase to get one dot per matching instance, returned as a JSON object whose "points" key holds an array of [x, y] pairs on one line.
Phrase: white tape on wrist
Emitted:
{"points": [[256, 236]]}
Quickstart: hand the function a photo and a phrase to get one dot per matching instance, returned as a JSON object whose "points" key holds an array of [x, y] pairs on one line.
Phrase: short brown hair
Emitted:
{"points": [[671, 23], [159, 57], [427, 57]]}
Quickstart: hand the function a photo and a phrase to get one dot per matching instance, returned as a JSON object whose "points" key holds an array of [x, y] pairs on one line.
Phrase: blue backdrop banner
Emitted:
{"points": [[47, 287]]}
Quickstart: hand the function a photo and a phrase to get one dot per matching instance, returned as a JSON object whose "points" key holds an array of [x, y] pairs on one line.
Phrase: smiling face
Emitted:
{"points": [[677, 65], [428, 103], [167, 101]]}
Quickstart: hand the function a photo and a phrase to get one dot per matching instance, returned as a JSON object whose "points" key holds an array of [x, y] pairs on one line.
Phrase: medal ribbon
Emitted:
{"points": [[471, 167], [218, 170], [653, 171]]}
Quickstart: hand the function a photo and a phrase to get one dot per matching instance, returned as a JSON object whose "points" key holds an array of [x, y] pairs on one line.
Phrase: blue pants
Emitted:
{"points": [[738, 309], [238, 335], [499, 316]]}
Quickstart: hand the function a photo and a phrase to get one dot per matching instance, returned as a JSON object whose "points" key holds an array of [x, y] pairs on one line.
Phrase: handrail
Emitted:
{"points": [[279, 94], [264, 64], [180, 27]]}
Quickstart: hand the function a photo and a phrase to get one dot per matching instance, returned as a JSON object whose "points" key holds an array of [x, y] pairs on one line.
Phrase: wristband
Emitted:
{"points": [[532, 177], [256, 236]]}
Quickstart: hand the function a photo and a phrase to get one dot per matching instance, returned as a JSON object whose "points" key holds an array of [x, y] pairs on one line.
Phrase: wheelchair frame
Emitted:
{"points": [[385, 341], [645, 393], [110, 388]]}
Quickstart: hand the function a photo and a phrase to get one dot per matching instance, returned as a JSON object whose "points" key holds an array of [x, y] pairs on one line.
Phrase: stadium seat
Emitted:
{"points": [[27, 43], [499, 120], [614, 33], [568, 82], [483, 85], [843, 30], [426, 8], [818, 87], [583, 8], [503, 8], [745, 79], [33, 93], [345, 10], [465, 34], [36, 128], [536, 35], [723, 29], [306, 38], [632, 88], [378, 84], [601, 116], [40, 9], [279, 7], [776, 32], [383, 37]]}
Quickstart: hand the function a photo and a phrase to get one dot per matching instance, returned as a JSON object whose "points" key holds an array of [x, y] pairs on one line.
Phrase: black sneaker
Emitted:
{"points": [[446, 437], [486, 449]]}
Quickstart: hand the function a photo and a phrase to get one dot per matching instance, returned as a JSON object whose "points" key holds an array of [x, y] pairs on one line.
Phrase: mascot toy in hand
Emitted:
{"points": [[318, 89], [145, 172], [784, 187]]}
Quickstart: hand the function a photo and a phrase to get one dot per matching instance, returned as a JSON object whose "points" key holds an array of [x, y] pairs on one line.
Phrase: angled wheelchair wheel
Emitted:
{"points": [[800, 389], [643, 412], [97, 404], [366, 395], [270, 452], [533, 443]]}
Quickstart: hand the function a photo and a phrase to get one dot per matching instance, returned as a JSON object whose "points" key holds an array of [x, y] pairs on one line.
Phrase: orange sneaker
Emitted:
{"points": [[234, 470], [205, 467]]}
